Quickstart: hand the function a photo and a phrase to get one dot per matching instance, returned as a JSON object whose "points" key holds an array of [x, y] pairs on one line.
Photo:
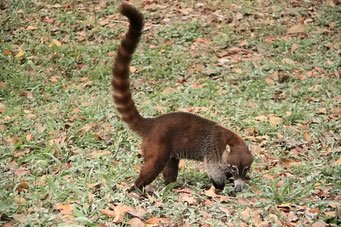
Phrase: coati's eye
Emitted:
{"points": [[233, 168], [246, 169]]}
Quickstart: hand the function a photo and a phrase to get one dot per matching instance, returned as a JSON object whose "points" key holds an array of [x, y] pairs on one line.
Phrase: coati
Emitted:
{"points": [[173, 136]]}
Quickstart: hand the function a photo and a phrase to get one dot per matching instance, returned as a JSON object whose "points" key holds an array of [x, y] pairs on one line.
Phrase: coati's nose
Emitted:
{"points": [[238, 185], [238, 188]]}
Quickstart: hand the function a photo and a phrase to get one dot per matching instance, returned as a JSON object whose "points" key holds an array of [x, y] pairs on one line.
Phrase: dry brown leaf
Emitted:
{"points": [[284, 205], [56, 42], [132, 69], [29, 137], [293, 48], [261, 118], [321, 110], [98, 153], [238, 70], [320, 224], [307, 137], [169, 42], [9, 224], [169, 90], [288, 61], [246, 214], [92, 185], [298, 28], [122, 209], [135, 222], [256, 219], [76, 110], [243, 43], [3, 85], [187, 198], [224, 198], [21, 171], [161, 109], [31, 28], [48, 20], [42, 40], [39, 127], [225, 210], [336, 111], [88, 84], [331, 3], [269, 81], [273, 120], [287, 163], [53, 79], [272, 78], [12, 140], [111, 53], [20, 200], [202, 40], [208, 202], [265, 224], [140, 212], [65, 207], [109, 213], [20, 54], [7, 52], [330, 213], [119, 218], [211, 192], [26, 94], [338, 162], [158, 220]]}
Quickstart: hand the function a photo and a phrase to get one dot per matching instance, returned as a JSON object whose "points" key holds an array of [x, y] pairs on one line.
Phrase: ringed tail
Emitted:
{"points": [[120, 71]]}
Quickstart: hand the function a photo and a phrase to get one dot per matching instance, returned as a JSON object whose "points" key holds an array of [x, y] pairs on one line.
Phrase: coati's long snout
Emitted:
{"points": [[173, 136], [239, 160]]}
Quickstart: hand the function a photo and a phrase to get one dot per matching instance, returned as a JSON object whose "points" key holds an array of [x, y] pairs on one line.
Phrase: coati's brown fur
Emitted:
{"points": [[172, 136]]}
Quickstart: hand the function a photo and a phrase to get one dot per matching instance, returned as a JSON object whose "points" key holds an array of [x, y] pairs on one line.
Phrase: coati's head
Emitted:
{"points": [[238, 160]]}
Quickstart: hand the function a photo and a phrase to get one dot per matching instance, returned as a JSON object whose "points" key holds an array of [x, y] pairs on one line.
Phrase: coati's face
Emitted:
{"points": [[238, 162]]}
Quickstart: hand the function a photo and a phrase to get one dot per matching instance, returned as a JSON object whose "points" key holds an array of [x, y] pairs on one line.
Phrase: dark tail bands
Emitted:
{"points": [[120, 80]]}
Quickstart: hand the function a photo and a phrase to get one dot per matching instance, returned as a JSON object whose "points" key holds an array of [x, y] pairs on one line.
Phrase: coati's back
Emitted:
{"points": [[187, 135], [170, 137]]}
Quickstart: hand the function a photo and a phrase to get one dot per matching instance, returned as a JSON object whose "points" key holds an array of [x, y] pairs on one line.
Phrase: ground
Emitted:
{"points": [[269, 70]]}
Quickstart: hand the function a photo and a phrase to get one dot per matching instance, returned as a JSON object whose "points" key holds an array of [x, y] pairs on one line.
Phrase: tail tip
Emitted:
{"points": [[125, 8]]}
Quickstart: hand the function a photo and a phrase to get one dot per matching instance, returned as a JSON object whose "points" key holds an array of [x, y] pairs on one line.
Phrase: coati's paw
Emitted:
{"points": [[150, 190], [134, 189], [218, 191]]}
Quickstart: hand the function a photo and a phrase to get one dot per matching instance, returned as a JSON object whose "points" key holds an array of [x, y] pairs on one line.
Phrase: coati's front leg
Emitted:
{"points": [[156, 158], [216, 174], [170, 172]]}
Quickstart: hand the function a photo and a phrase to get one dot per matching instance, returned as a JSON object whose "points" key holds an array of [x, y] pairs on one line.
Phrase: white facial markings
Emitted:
{"points": [[233, 169], [239, 182], [240, 172]]}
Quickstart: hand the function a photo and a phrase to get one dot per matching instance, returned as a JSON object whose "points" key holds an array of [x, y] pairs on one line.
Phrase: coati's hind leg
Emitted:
{"points": [[156, 158], [170, 172], [216, 174]]}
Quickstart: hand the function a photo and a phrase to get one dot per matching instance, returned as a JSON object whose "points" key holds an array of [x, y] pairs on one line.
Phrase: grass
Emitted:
{"points": [[65, 156]]}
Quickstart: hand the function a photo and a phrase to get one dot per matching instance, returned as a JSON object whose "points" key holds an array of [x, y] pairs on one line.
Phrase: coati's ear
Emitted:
{"points": [[228, 149], [252, 149], [226, 152]]}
